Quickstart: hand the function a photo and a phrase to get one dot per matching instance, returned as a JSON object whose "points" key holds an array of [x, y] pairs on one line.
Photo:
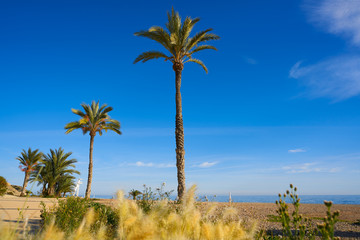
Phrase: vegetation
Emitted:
{"points": [[94, 120], [297, 227], [181, 47], [149, 198], [3, 186], [81, 218], [128, 221], [28, 162], [69, 214], [134, 194], [55, 173]]}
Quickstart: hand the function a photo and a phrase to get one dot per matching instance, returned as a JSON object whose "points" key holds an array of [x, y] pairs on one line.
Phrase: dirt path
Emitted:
{"points": [[19, 210]]}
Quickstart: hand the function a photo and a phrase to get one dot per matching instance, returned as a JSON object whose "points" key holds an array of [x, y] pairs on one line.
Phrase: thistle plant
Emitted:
{"points": [[296, 226], [327, 227]]}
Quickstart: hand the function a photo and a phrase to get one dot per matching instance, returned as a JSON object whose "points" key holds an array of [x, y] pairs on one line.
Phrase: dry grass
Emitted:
{"points": [[164, 221]]}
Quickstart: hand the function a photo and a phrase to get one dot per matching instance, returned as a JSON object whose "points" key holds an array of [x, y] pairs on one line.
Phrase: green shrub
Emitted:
{"points": [[295, 226], [70, 212], [3, 186], [148, 198], [105, 215]]}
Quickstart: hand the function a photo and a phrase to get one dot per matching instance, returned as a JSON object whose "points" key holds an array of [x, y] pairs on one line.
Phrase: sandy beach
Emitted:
{"points": [[10, 208]]}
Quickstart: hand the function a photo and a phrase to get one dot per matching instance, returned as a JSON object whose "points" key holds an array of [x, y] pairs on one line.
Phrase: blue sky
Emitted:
{"points": [[279, 104]]}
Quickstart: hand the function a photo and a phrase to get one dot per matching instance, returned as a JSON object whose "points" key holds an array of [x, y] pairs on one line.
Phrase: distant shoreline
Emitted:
{"points": [[305, 199]]}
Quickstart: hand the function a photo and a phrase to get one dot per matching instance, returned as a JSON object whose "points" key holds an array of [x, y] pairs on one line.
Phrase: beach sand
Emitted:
{"points": [[261, 212], [10, 207]]}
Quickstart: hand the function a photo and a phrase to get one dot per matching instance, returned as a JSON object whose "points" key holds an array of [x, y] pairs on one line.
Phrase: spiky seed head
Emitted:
{"points": [[291, 186], [328, 203]]}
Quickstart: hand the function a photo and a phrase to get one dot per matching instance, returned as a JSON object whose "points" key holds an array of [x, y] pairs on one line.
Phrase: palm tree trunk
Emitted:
{"points": [[51, 190], [88, 187], [179, 133], [23, 191], [44, 190]]}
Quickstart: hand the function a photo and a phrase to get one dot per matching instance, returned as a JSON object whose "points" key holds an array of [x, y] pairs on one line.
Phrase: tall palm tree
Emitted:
{"points": [[57, 166], [94, 120], [181, 47], [28, 161]]}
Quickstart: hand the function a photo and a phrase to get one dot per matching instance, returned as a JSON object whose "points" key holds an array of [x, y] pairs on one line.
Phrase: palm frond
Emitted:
{"points": [[174, 22], [72, 126], [157, 34], [78, 112], [192, 42], [146, 56], [198, 62], [186, 29], [202, 47], [208, 37]]}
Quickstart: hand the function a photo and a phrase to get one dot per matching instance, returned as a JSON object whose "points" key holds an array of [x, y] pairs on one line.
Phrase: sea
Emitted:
{"points": [[318, 199]]}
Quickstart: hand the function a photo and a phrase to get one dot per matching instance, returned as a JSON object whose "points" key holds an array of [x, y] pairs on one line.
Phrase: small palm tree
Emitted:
{"points": [[94, 120], [181, 47], [57, 166], [28, 162], [66, 184], [39, 175], [134, 193]]}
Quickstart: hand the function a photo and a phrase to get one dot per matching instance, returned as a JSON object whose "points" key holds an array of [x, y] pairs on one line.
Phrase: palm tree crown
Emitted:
{"points": [[176, 39], [57, 168], [28, 160], [94, 120]]}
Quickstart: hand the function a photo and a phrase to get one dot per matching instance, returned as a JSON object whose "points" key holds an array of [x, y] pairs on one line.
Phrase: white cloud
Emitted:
{"points": [[163, 165], [297, 150], [160, 165], [340, 17], [308, 168], [337, 78], [142, 164], [250, 60], [206, 164]]}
